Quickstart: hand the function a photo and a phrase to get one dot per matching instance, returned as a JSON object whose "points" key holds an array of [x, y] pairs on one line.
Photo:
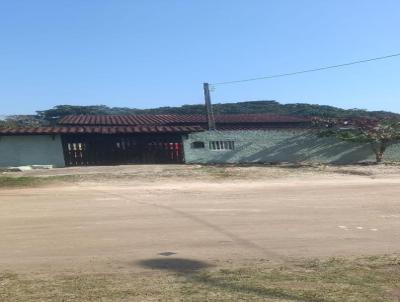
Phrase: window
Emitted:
{"points": [[197, 145], [222, 145]]}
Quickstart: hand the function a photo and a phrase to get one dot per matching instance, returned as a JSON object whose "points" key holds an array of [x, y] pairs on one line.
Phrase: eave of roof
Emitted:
{"points": [[98, 130]]}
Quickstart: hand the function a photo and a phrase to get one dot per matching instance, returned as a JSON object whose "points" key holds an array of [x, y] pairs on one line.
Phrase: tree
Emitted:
{"points": [[253, 107], [14, 121], [379, 134], [52, 115]]}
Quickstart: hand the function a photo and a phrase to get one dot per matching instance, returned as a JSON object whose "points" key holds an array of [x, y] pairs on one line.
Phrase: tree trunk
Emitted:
{"points": [[379, 151], [379, 157]]}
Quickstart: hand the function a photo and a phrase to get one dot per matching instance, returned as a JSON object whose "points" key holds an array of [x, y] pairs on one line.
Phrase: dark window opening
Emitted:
{"points": [[197, 145]]}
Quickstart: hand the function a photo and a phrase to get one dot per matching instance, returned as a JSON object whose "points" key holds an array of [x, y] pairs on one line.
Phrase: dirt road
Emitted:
{"points": [[102, 226]]}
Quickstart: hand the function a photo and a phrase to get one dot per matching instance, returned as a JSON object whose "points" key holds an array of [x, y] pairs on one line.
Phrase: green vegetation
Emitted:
{"points": [[271, 107], [34, 181], [12, 182], [21, 121], [192, 172], [379, 134], [371, 279], [215, 173], [40, 181], [50, 116]]}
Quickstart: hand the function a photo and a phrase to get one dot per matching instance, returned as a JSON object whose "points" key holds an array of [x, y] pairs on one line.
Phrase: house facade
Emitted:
{"points": [[164, 139]]}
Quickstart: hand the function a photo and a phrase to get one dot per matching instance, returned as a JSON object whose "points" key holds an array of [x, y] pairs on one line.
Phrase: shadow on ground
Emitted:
{"points": [[177, 265]]}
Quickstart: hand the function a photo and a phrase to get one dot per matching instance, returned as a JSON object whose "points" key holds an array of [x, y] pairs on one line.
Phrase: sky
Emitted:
{"points": [[147, 53]]}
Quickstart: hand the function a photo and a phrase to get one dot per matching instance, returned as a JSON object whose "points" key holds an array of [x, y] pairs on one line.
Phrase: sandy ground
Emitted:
{"points": [[181, 211]]}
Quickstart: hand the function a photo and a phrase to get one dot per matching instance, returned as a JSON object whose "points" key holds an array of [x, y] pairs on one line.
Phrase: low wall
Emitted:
{"points": [[281, 145], [31, 150]]}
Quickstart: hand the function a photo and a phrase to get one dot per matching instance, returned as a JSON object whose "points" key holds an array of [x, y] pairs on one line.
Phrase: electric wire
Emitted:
{"points": [[306, 71]]}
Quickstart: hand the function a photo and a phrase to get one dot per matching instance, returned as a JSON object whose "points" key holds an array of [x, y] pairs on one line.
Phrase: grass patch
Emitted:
{"points": [[222, 172], [366, 279], [195, 172], [24, 181], [372, 279], [32, 181], [165, 174]]}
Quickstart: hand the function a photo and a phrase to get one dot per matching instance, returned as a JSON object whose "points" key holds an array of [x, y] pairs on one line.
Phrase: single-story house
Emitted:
{"points": [[130, 139]]}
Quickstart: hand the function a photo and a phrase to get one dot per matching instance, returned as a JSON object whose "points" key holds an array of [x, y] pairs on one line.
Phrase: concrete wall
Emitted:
{"points": [[285, 145], [31, 150]]}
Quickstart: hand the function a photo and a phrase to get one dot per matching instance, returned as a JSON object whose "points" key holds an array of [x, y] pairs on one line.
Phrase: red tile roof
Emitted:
{"points": [[129, 120], [99, 130], [125, 124]]}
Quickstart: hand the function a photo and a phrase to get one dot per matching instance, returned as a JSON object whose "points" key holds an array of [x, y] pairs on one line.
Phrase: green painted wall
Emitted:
{"points": [[285, 145], [31, 150]]}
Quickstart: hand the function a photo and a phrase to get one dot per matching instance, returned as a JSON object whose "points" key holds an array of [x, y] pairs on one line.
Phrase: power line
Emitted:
{"points": [[307, 70]]}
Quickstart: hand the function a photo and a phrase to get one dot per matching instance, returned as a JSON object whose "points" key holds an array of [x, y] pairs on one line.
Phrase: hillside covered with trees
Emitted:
{"points": [[50, 116]]}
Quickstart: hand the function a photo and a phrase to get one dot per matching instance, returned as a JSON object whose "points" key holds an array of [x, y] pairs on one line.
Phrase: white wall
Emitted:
{"points": [[283, 145], [31, 150]]}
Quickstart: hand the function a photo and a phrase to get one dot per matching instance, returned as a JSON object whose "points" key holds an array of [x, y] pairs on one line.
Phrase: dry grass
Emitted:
{"points": [[15, 180], [155, 173], [364, 279], [33, 181]]}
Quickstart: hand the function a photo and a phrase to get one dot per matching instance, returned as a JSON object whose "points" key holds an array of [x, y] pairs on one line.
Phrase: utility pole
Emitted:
{"points": [[209, 109]]}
